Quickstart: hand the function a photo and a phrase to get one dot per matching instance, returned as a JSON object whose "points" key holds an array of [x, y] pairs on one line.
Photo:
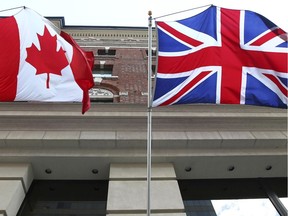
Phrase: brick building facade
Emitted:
{"points": [[128, 80]]}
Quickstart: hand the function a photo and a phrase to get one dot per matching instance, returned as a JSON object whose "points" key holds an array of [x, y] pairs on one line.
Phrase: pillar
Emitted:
{"points": [[15, 180], [127, 192]]}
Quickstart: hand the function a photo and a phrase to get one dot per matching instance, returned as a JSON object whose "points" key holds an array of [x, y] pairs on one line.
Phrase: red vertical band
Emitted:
{"points": [[9, 58]]}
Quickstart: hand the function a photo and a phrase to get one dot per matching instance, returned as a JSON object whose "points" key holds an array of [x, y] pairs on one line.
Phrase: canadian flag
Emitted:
{"points": [[38, 64]]}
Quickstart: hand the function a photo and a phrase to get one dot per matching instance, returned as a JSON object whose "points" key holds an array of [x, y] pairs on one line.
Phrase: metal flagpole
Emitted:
{"points": [[149, 114]]}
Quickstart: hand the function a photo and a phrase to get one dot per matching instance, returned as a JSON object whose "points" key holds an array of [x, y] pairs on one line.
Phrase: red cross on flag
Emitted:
{"points": [[38, 64]]}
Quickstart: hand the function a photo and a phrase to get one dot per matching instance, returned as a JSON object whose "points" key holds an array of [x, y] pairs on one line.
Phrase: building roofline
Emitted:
{"points": [[61, 19], [64, 26]]}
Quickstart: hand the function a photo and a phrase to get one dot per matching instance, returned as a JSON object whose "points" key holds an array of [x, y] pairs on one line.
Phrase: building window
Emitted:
{"points": [[102, 70], [106, 52], [65, 197], [231, 196], [154, 52], [153, 69], [101, 95]]}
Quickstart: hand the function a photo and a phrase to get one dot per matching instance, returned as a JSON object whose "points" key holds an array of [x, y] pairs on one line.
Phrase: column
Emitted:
{"points": [[127, 192], [15, 180]]}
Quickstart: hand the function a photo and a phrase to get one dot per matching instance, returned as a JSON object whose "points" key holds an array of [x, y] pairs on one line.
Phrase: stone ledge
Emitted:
{"points": [[74, 109], [152, 214], [138, 139], [22, 172], [139, 171]]}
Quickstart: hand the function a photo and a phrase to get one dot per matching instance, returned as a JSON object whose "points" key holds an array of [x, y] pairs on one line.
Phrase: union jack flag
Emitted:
{"points": [[222, 56]]}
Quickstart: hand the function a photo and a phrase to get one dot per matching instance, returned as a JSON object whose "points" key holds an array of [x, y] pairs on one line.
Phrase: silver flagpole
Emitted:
{"points": [[149, 116]]}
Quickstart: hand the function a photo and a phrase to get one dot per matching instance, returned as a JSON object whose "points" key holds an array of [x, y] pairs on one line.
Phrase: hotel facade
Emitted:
{"points": [[56, 161]]}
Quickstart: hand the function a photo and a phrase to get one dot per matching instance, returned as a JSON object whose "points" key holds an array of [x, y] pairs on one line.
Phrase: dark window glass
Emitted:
{"points": [[153, 52], [103, 70], [216, 196], [101, 100], [65, 198], [109, 52]]}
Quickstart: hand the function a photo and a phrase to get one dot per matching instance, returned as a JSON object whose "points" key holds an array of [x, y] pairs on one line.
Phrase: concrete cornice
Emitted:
{"points": [[131, 117], [202, 141]]}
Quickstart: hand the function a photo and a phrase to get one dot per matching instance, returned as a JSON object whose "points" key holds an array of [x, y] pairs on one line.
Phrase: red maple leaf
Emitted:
{"points": [[47, 59]]}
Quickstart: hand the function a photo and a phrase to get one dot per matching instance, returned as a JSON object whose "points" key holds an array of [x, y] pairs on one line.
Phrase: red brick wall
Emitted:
{"points": [[130, 65]]}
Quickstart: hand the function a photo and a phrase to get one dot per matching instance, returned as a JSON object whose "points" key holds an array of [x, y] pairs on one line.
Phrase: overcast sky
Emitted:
{"points": [[134, 12]]}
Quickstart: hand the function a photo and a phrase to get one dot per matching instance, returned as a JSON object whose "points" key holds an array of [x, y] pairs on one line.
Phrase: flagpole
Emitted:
{"points": [[149, 114]]}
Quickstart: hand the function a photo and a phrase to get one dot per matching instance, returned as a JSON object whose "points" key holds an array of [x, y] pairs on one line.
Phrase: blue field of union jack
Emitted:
{"points": [[222, 56]]}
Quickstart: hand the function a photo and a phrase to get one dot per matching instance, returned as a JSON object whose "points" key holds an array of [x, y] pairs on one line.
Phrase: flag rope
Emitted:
{"points": [[12, 9], [208, 5], [56, 28]]}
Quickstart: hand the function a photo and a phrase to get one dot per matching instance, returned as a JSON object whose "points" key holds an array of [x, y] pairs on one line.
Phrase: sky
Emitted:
{"points": [[135, 12]]}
